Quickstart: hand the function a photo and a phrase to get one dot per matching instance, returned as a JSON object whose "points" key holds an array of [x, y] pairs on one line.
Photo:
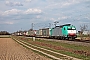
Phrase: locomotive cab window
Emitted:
{"points": [[71, 28], [64, 28]]}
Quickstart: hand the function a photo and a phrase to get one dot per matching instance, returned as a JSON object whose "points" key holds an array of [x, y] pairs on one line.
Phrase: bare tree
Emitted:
{"points": [[55, 23], [88, 34], [83, 28]]}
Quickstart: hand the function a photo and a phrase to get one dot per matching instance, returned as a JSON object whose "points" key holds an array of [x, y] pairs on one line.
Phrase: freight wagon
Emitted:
{"points": [[43, 32], [31, 33]]}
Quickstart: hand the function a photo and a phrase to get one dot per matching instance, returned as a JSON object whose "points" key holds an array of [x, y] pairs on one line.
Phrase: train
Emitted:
{"points": [[66, 31]]}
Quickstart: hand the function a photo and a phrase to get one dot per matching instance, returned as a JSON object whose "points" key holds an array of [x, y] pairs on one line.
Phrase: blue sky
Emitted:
{"points": [[20, 14]]}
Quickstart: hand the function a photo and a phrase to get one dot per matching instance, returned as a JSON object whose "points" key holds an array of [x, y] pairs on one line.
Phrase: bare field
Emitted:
{"points": [[4, 36], [10, 50]]}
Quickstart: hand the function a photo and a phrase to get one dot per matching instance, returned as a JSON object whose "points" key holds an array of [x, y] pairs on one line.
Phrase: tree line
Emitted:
{"points": [[4, 33]]}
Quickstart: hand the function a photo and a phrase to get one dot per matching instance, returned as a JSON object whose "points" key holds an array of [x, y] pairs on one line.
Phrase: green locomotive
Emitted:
{"points": [[66, 31]]}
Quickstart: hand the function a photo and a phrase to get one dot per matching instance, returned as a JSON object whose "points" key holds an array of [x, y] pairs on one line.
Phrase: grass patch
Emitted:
{"points": [[66, 53], [4, 36], [42, 54], [65, 45]]}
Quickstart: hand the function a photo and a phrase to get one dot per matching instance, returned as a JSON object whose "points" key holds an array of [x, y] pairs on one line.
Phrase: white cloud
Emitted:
{"points": [[62, 4], [1, 12], [9, 22], [52, 19], [87, 18], [8, 3], [61, 18], [33, 11], [16, 11], [84, 22], [12, 11], [38, 17], [69, 2], [5, 22], [28, 0]]}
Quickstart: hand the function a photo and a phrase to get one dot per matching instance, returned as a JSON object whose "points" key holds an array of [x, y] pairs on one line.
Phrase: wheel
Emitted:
{"points": [[67, 38], [64, 38]]}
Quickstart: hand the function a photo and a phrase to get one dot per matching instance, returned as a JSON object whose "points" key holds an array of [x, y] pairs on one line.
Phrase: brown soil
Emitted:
{"points": [[81, 52], [10, 50]]}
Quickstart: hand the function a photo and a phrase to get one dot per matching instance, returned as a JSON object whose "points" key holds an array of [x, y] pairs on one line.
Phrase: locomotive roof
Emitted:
{"points": [[64, 25]]}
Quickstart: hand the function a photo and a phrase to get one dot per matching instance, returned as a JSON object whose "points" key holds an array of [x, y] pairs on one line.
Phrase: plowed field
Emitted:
{"points": [[10, 50]]}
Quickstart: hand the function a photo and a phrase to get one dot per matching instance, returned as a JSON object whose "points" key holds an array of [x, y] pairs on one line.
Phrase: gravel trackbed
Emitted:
{"points": [[11, 50]]}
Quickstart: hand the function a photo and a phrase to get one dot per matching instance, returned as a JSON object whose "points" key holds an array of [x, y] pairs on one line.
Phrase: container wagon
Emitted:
{"points": [[43, 33], [32, 33]]}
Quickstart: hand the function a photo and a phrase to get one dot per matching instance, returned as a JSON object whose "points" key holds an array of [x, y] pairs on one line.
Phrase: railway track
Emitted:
{"points": [[76, 41], [52, 54]]}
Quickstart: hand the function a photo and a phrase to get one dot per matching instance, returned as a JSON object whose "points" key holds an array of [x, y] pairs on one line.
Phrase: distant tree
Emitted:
{"points": [[4, 33], [83, 28], [31, 29], [89, 34]]}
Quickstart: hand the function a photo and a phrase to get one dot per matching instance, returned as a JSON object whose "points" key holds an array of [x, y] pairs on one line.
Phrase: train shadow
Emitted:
{"points": [[78, 40]]}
